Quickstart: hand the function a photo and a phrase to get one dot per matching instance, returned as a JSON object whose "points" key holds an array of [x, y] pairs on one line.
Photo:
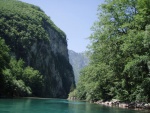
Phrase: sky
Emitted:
{"points": [[74, 17]]}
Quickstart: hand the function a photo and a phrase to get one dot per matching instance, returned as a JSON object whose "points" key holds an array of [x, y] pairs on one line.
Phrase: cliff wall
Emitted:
{"points": [[33, 37]]}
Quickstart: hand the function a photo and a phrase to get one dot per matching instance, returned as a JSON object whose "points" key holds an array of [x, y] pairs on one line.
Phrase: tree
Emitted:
{"points": [[4, 61], [4, 55], [22, 81], [120, 52], [34, 80]]}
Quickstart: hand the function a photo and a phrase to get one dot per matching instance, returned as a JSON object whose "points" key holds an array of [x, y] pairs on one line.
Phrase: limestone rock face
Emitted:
{"points": [[51, 59], [33, 37], [78, 62]]}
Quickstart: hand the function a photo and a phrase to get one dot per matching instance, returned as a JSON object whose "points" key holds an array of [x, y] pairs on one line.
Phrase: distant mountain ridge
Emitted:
{"points": [[78, 61]]}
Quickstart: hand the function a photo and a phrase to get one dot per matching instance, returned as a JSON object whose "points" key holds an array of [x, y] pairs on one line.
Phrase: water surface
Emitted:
{"points": [[30, 105]]}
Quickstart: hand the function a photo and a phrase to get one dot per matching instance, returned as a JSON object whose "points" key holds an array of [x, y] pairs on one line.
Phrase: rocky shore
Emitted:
{"points": [[131, 105], [72, 98]]}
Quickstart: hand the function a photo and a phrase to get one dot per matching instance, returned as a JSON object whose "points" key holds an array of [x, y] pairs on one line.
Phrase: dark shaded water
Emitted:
{"points": [[29, 105]]}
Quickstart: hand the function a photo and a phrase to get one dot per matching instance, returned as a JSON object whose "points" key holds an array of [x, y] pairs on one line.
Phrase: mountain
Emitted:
{"points": [[78, 61], [33, 37]]}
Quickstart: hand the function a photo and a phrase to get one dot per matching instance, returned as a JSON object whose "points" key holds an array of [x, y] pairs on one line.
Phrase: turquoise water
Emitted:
{"points": [[55, 106]]}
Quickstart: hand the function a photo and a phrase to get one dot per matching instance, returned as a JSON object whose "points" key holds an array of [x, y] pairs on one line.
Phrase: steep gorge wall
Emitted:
{"points": [[41, 44], [52, 61]]}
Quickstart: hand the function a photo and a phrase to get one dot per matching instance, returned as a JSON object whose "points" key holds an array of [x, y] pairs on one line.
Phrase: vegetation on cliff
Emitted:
{"points": [[30, 65], [120, 59], [22, 24], [16, 79]]}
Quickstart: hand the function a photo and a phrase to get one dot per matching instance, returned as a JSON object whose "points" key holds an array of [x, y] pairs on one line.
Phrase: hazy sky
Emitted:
{"points": [[74, 17]]}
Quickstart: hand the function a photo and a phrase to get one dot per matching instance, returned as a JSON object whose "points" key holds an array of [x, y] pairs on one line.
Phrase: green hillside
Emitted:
{"points": [[30, 65]]}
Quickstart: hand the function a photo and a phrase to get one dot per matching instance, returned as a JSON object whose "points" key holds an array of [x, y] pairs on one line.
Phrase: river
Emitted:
{"points": [[37, 105]]}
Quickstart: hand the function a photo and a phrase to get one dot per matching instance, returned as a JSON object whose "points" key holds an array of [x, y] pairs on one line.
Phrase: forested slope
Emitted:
{"points": [[120, 59], [33, 53]]}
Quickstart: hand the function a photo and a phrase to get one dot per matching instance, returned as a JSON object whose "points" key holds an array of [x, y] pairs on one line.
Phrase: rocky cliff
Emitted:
{"points": [[78, 62], [33, 37]]}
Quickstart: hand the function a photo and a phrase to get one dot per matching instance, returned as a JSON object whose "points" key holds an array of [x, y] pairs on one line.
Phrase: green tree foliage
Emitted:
{"points": [[15, 78], [4, 55], [4, 60], [22, 25], [30, 34], [22, 81], [34, 80], [120, 53]]}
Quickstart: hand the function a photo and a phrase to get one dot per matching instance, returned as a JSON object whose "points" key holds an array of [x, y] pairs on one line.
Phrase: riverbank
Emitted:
{"points": [[128, 105], [120, 104]]}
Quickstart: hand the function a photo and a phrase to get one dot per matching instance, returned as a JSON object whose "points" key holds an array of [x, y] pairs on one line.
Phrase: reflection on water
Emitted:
{"points": [[35, 105]]}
